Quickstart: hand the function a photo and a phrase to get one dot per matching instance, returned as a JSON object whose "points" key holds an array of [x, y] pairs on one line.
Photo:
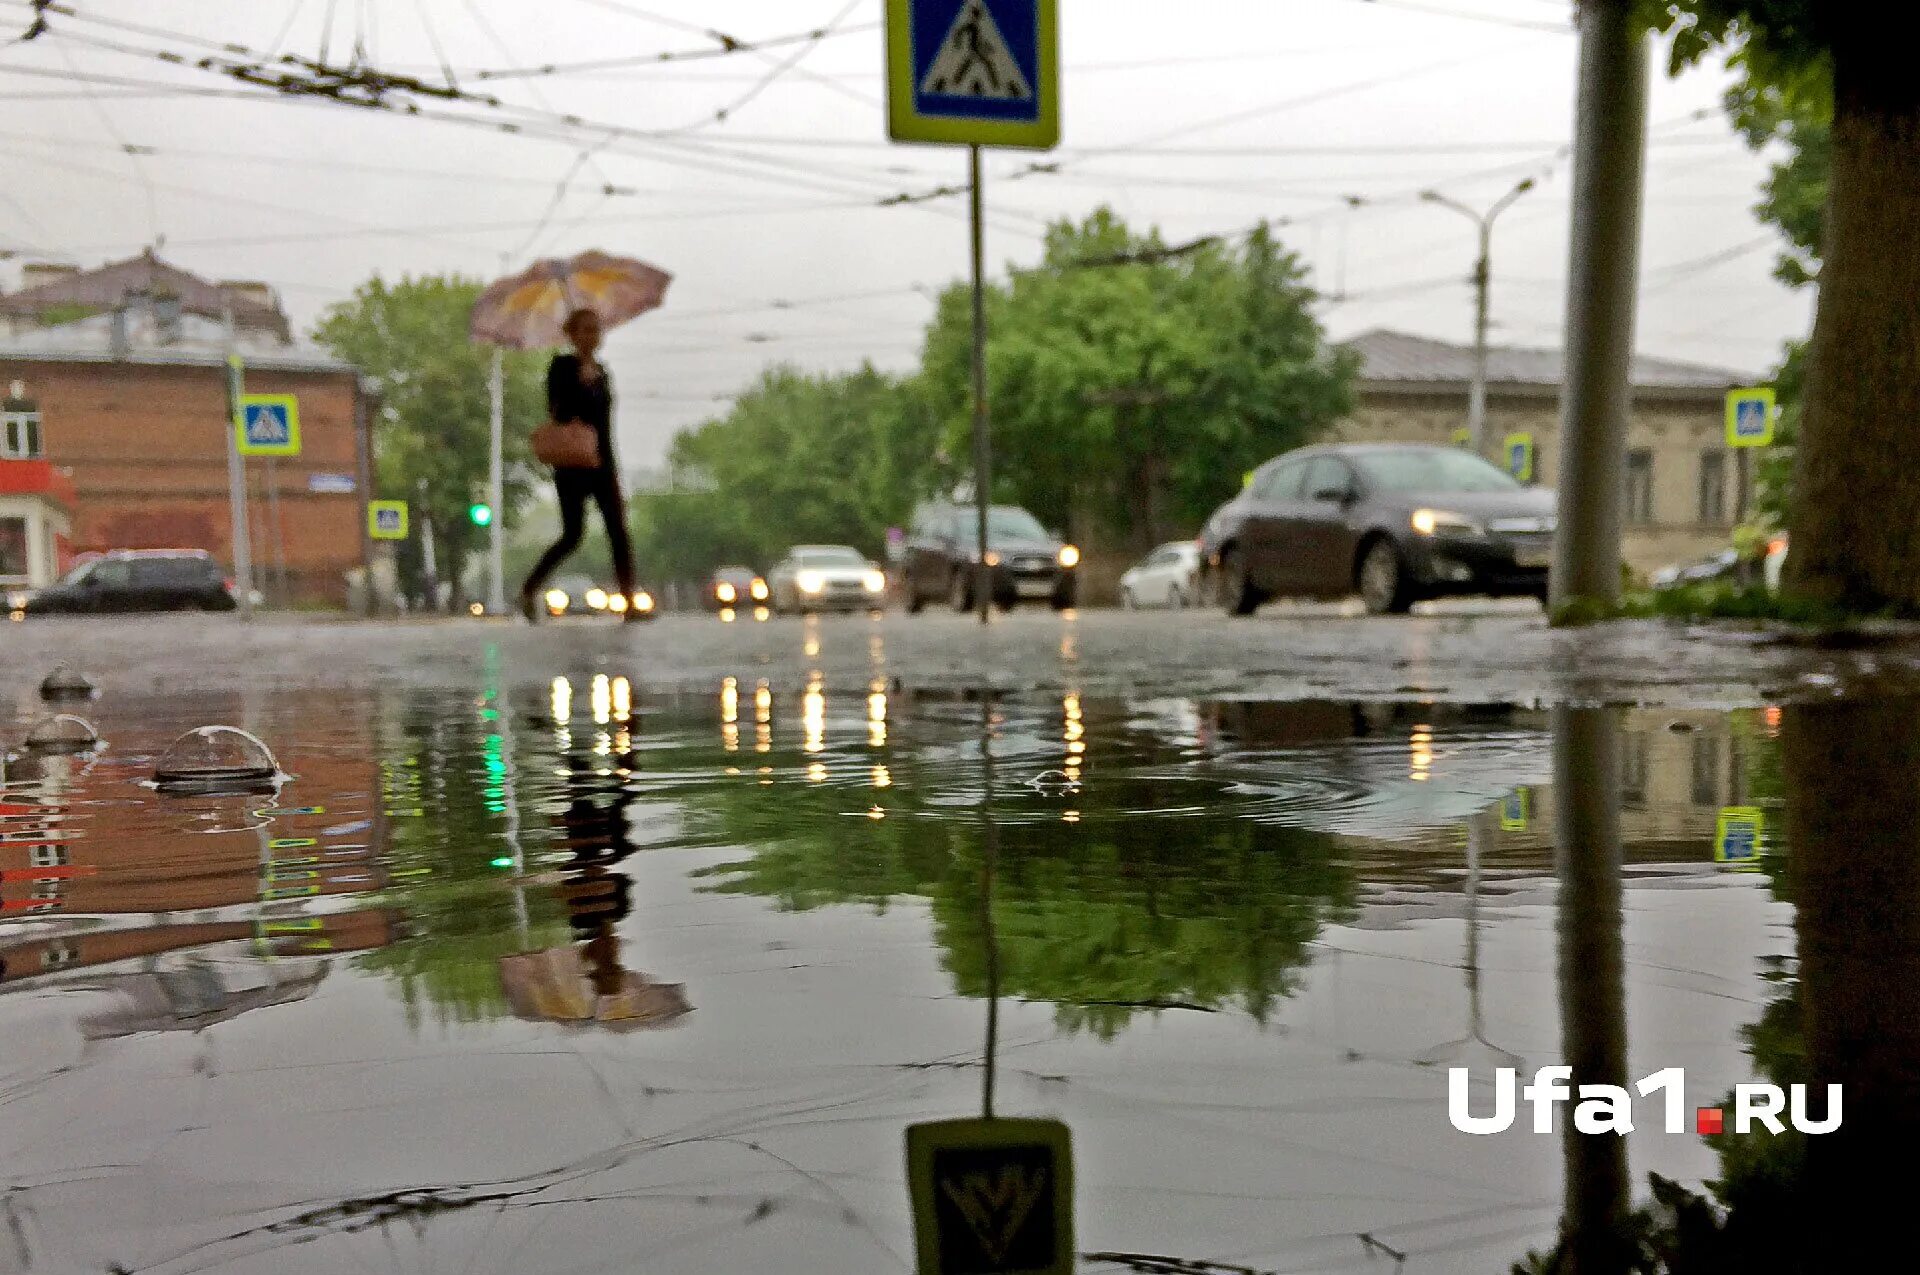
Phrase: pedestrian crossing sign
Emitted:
{"points": [[268, 425], [1739, 835], [1520, 455], [1750, 417], [387, 520], [974, 72]]}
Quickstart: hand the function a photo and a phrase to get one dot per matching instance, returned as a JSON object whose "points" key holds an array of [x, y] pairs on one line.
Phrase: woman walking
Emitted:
{"points": [[579, 391]]}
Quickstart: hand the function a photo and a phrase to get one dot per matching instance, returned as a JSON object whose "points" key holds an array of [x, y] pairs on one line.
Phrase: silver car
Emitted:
{"points": [[1167, 577], [826, 578]]}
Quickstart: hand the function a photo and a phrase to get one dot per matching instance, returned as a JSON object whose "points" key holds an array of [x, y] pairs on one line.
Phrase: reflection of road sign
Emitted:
{"points": [[1519, 453], [269, 425], [1750, 417], [1516, 812], [992, 1197], [1738, 835], [984, 72], [387, 519]]}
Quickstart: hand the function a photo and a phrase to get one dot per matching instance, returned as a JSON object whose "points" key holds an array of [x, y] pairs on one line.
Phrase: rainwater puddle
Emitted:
{"points": [[559, 976]]}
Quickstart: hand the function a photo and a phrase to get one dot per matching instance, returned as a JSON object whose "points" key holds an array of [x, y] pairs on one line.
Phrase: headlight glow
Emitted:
{"points": [[556, 600], [1433, 522], [725, 592], [1069, 556], [643, 601], [759, 589], [617, 604], [811, 581], [993, 559], [876, 582], [597, 599]]}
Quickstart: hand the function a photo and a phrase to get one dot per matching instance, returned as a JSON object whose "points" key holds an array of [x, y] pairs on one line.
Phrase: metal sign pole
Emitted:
{"points": [[982, 453], [237, 486]]}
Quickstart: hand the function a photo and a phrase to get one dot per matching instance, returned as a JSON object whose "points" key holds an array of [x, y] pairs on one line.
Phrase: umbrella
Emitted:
{"points": [[525, 311], [557, 985]]}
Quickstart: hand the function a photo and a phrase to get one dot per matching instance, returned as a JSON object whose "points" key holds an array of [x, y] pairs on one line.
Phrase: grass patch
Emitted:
{"points": [[1716, 602]]}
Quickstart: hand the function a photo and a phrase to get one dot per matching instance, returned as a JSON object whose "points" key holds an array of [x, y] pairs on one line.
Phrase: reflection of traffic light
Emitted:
{"points": [[480, 514]]}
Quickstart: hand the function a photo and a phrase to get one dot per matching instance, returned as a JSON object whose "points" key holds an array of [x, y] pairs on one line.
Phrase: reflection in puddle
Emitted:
{"points": [[1236, 946]]}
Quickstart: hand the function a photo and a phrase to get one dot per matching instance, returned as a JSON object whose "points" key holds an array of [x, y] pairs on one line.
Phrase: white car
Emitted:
{"points": [[1167, 577], [826, 578]]}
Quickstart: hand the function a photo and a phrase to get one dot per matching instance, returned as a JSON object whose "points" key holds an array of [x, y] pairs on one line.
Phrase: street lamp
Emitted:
{"points": [[1482, 278]]}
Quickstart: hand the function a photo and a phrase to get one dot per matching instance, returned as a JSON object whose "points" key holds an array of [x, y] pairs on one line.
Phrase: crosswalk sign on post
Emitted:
{"points": [[991, 1197], [1519, 453], [974, 72], [1750, 414], [268, 425], [387, 519], [1739, 834]]}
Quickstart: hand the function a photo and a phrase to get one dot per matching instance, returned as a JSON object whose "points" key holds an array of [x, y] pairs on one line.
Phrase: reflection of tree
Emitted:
{"points": [[1105, 917]]}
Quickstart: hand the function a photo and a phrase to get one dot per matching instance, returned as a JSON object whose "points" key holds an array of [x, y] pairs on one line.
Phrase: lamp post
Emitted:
{"points": [[1482, 280]]}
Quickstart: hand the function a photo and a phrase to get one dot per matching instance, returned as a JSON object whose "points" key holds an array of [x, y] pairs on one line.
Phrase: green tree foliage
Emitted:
{"points": [[410, 340], [1132, 385], [837, 458]]}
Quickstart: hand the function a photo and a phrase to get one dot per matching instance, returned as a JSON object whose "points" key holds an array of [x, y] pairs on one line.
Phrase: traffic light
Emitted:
{"points": [[480, 514]]}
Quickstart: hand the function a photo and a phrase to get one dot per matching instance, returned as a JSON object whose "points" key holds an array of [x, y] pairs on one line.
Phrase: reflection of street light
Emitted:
{"points": [[1482, 280], [1477, 830]]}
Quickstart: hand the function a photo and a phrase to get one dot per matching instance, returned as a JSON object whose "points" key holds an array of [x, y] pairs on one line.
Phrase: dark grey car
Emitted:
{"points": [[1027, 562], [138, 580], [1393, 522]]}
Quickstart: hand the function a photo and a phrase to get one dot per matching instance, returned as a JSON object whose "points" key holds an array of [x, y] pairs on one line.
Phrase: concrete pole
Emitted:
{"points": [[1610, 129], [982, 444], [1477, 392], [496, 486]]}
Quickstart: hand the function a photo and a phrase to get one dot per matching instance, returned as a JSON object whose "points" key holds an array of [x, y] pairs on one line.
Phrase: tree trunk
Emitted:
{"points": [[1856, 502]]}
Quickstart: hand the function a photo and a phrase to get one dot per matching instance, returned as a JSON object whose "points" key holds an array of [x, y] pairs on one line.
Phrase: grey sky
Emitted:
{"points": [[1202, 116]]}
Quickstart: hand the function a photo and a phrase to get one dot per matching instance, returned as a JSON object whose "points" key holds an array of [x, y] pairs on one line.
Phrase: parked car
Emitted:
{"points": [[1392, 522], [736, 587], [1724, 565], [579, 595], [138, 580], [1167, 577], [1027, 562], [826, 578]]}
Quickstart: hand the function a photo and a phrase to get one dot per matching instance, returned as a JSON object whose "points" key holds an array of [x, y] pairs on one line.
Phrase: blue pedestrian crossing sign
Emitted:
{"points": [[1750, 417], [1739, 834], [269, 425], [386, 520], [1519, 454], [974, 72]]}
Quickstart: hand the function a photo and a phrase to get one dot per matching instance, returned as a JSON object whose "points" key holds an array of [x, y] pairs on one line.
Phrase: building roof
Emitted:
{"points": [[195, 341], [1399, 360], [111, 285]]}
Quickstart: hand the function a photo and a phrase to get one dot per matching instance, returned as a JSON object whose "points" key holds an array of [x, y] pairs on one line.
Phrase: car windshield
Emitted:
{"points": [[1006, 523], [829, 556], [80, 572], [1433, 469]]}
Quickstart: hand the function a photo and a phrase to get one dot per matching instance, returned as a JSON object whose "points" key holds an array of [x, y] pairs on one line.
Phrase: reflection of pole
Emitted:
{"points": [[1592, 969], [982, 446], [510, 795], [496, 530], [989, 854], [237, 481], [429, 571], [1608, 170]]}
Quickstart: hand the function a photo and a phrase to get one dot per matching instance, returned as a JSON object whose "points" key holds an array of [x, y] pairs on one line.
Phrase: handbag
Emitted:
{"points": [[567, 445]]}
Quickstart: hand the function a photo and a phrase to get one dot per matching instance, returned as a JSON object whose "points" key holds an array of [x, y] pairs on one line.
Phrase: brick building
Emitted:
{"points": [[123, 371], [1684, 489]]}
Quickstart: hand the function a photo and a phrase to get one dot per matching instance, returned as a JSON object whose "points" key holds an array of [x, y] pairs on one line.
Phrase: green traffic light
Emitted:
{"points": [[503, 863], [481, 514]]}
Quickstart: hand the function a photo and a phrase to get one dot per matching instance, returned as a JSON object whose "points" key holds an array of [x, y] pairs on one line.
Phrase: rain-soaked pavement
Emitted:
{"points": [[529, 962]]}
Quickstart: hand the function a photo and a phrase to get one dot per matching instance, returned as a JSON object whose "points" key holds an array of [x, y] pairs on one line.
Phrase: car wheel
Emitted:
{"points": [[915, 603], [1177, 598], [960, 593], [1383, 580], [1065, 596], [1236, 591], [1127, 601]]}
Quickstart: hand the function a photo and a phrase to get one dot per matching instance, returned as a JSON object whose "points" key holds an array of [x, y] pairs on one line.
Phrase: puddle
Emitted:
{"points": [[557, 975]]}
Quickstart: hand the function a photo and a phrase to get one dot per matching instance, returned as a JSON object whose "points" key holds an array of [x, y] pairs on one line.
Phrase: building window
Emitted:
{"points": [[1633, 770], [1639, 483], [47, 856], [19, 434], [13, 548], [1713, 487], [1706, 769]]}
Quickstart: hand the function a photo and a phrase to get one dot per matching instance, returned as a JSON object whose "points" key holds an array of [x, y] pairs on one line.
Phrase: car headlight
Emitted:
{"points": [[17, 601], [556, 600], [1438, 522], [993, 559], [1069, 556], [617, 604], [725, 592], [876, 582], [759, 590], [643, 601], [597, 599], [811, 581]]}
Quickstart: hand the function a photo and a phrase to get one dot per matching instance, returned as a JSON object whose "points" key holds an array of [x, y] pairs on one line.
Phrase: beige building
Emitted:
{"points": [[1683, 488]]}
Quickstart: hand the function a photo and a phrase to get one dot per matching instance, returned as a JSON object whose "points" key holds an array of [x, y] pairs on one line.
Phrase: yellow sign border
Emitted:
{"points": [[289, 448], [1736, 397], [1728, 816], [905, 124], [374, 508], [924, 1139], [1533, 454]]}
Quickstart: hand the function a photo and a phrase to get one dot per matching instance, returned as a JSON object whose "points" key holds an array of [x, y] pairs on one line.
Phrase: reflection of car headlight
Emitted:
{"points": [[643, 602], [1069, 556], [759, 590], [556, 601], [810, 581], [993, 559], [725, 592], [597, 599], [17, 601], [1438, 522], [617, 604], [876, 582]]}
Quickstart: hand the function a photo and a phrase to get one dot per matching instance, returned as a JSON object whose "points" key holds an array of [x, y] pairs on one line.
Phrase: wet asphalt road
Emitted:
{"points": [[1465, 654]]}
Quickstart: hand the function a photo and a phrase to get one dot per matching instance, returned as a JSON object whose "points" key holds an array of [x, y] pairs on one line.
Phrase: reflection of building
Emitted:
{"points": [[281, 938]]}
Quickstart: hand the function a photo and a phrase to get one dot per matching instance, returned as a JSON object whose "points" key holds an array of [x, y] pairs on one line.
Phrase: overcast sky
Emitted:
{"points": [[755, 177]]}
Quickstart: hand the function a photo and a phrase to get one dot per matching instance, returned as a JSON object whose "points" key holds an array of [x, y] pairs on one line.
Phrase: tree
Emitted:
{"points": [[1132, 385], [1857, 462], [430, 438]]}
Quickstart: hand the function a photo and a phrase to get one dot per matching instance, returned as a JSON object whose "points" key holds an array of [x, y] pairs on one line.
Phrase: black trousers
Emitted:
{"points": [[575, 488]]}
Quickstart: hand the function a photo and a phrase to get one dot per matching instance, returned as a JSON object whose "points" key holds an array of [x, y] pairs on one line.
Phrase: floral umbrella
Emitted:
{"points": [[558, 985], [525, 311]]}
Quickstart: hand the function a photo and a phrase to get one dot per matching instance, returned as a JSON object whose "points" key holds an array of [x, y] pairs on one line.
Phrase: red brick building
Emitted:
{"points": [[124, 370]]}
